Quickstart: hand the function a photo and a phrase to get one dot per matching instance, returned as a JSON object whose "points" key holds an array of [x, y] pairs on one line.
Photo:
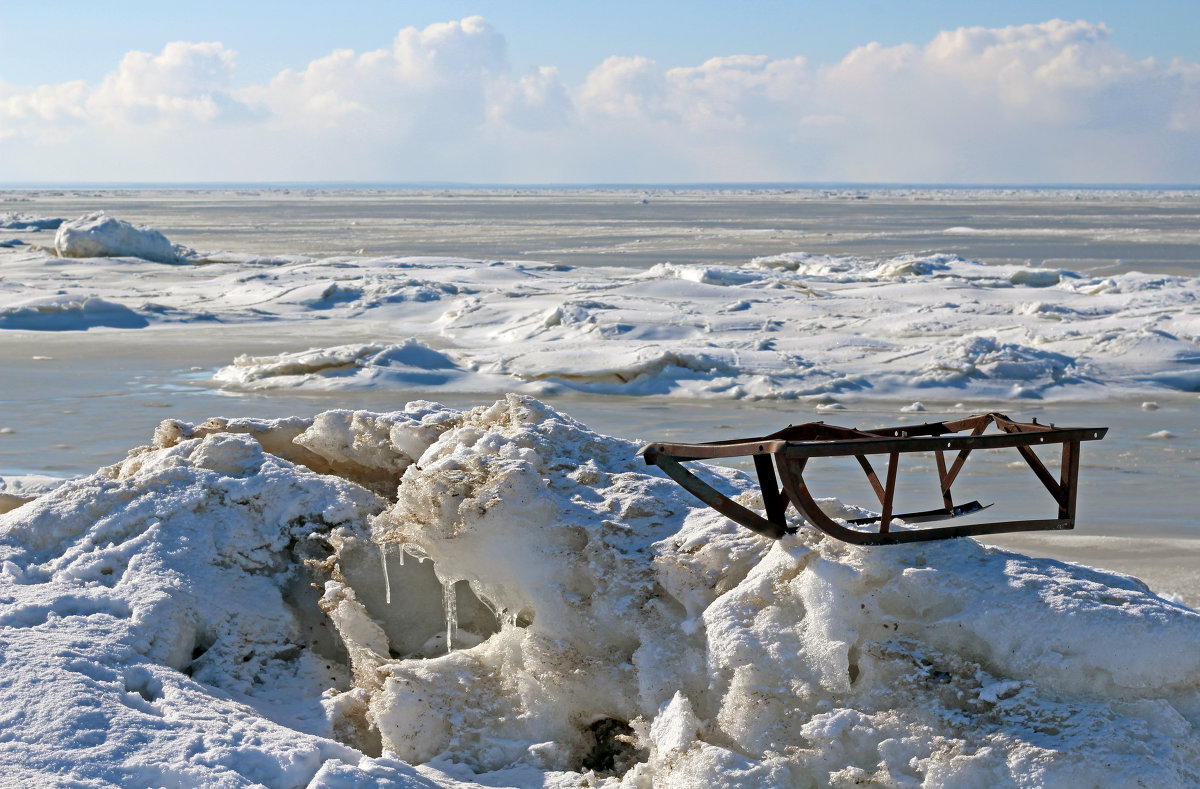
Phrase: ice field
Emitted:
{"points": [[268, 454]]}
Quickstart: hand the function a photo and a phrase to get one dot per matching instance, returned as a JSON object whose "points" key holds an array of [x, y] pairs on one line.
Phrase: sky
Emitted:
{"points": [[617, 92]]}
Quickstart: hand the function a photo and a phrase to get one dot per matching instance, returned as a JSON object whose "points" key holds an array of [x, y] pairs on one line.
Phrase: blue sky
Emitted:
{"points": [[600, 91], [57, 42]]}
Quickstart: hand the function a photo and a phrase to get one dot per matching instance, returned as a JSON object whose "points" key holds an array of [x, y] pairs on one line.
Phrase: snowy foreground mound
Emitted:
{"points": [[215, 611]]}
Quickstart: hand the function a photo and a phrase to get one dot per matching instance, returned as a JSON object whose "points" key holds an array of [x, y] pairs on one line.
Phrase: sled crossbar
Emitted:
{"points": [[781, 457]]}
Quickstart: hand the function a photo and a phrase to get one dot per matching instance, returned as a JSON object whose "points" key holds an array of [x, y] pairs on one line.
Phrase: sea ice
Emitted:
{"points": [[910, 327], [410, 364], [28, 223], [69, 312], [164, 619]]}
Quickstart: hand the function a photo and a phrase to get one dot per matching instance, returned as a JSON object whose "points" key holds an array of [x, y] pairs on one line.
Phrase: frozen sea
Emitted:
{"points": [[321, 314], [74, 400]]}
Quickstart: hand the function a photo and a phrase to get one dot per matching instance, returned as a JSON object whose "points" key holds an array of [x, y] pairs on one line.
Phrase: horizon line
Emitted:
{"points": [[580, 185]]}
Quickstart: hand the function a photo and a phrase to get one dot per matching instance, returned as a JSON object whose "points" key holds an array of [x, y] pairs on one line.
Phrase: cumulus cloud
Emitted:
{"points": [[184, 85], [1053, 101], [1048, 102], [441, 74], [722, 92], [537, 101]]}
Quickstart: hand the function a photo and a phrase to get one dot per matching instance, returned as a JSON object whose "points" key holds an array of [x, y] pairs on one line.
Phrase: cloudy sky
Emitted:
{"points": [[614, 92]]}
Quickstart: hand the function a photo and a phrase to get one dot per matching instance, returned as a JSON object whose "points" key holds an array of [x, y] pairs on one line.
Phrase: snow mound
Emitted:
{"points": [[26, 222], [505, 596], [149, 609], [100, 236], [69, 312], [19, 489], [410, 364], [828, 268]]}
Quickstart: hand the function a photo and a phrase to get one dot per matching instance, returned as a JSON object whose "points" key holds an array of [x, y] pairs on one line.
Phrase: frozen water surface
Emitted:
{"points": [[1081, 230], [605, 627]]}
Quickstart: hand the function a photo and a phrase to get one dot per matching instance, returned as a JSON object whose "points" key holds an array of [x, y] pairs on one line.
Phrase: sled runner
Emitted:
{"points": [[788, 451]]}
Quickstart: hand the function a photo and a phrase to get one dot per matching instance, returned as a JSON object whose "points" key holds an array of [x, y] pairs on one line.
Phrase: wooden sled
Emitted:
{"points": [[792, 448]]}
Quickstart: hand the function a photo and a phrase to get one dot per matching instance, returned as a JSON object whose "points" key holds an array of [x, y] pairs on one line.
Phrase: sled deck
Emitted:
{"points": [[787, 452]]}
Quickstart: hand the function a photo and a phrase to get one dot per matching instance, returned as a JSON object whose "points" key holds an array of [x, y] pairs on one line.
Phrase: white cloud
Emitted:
{"points": [[1037, 102], [625, 87], [50, 108], [441, 73], [1047, 102], [184, 86], [538, 101]]}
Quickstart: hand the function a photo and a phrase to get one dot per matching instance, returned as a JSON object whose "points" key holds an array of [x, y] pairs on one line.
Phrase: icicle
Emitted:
{"points": [[450, 608], [402, 552], [387, 582]]}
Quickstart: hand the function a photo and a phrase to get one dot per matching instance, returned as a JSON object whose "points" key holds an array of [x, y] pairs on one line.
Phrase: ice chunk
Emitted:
{"points": [[69, 312], [100, 236], [30, 223], [411, 364]]}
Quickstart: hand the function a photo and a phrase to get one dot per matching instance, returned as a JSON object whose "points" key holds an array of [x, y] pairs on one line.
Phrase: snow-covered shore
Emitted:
{"points": [[161, 627]]}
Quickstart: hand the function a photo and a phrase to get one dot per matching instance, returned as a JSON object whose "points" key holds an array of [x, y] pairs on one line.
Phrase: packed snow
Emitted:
{"points": [[501, 596], [915, 326]]}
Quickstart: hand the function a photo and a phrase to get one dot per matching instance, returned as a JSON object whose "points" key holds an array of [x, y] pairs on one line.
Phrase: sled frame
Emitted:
{"points": [[780, 460]]}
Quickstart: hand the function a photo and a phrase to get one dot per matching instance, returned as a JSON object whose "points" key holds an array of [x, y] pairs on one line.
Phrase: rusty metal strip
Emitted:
{"points": [[719, 501], [924, 516], [947, 499], [1068, 479], [871, 476], [773, 500], [977, 429], [889, 493], [1045, 476]]}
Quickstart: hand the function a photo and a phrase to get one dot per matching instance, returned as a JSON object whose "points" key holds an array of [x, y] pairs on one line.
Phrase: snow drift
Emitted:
{"points": [[914, 326], [502, 594]]}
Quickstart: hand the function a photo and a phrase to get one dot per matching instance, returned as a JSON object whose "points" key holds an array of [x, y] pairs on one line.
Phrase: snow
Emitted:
{"points": [[410, 364], [69, 313], [28, 223], [16, 490], [211, 611], [913, 327], [500, 596]]}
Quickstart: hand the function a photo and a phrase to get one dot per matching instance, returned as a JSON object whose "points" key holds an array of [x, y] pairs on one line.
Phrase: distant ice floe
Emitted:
{"points": [[913, 327], [69, 313], [500, 596], [410, 364], [28, 223]]}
